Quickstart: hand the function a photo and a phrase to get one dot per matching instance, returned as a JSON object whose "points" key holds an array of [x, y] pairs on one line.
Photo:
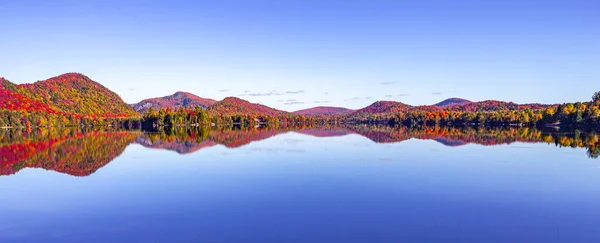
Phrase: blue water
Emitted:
{"points": [[300, 188]]}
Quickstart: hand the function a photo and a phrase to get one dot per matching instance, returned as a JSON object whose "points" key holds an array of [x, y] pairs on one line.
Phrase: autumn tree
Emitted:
{"points": [[596, 97]]}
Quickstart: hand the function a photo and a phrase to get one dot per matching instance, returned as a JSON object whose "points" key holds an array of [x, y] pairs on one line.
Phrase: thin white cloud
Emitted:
{"points": [[295, 92], [361, 98], [293, 102], [267, 93]]}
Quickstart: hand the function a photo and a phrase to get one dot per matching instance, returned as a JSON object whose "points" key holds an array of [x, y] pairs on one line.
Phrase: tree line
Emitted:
{"points": [[579, 114], [167, 117], [29, 119]]}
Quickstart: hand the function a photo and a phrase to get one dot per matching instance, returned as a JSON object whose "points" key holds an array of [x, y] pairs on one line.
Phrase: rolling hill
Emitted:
{"points": [[381, 107], [74, 94], [323, 110], [452, 102], [70, 93], [174, 101], [494, 105], [237, 106]]}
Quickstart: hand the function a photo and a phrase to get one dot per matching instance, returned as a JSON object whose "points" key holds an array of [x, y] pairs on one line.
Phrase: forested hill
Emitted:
{"points": [[382, 107], [452, 102], [237, 106], [494, 105], [75, 99], [174, 101], [12, 101], [70, 93], [323, 110]]}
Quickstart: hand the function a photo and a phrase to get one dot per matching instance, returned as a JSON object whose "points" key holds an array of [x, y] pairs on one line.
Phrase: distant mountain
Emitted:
{"points": [[323, 110], [70, 93], [174, 101], [237, 106], [452, 102]]}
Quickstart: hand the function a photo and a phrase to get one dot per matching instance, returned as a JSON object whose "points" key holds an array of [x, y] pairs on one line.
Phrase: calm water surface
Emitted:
{"points": [[366, 184]]}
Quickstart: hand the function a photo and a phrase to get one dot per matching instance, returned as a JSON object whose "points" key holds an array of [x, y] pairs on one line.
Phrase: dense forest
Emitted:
{"points": [[200, 117]]}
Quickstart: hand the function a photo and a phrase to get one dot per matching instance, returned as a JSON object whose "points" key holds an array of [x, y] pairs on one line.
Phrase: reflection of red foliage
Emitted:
{"points": [[13, 153], [385, 136], [79, 154]]}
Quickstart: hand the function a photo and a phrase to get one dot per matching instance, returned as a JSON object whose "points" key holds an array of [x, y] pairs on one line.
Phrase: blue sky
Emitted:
{"points": [[298, 54]]}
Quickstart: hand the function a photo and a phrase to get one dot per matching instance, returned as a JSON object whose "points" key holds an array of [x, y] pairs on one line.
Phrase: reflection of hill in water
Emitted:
{"points": [[185, 141], [181, 147], [190, 140], [73, 153], [238, 138], [82, 153], [450, 142], [326, 132]]}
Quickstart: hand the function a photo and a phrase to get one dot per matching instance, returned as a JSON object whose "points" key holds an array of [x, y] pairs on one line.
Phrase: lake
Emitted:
{"points": [[354, 183]]}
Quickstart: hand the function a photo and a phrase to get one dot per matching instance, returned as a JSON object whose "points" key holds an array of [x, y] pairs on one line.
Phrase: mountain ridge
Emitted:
{"points": [[75, 93], [378, 107]]}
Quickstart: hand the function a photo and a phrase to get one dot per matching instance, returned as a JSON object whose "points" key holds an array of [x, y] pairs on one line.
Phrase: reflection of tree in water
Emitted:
{"points": [[449, 136], [78, 153], [187, 140], [593, 151], [82, 152]]}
